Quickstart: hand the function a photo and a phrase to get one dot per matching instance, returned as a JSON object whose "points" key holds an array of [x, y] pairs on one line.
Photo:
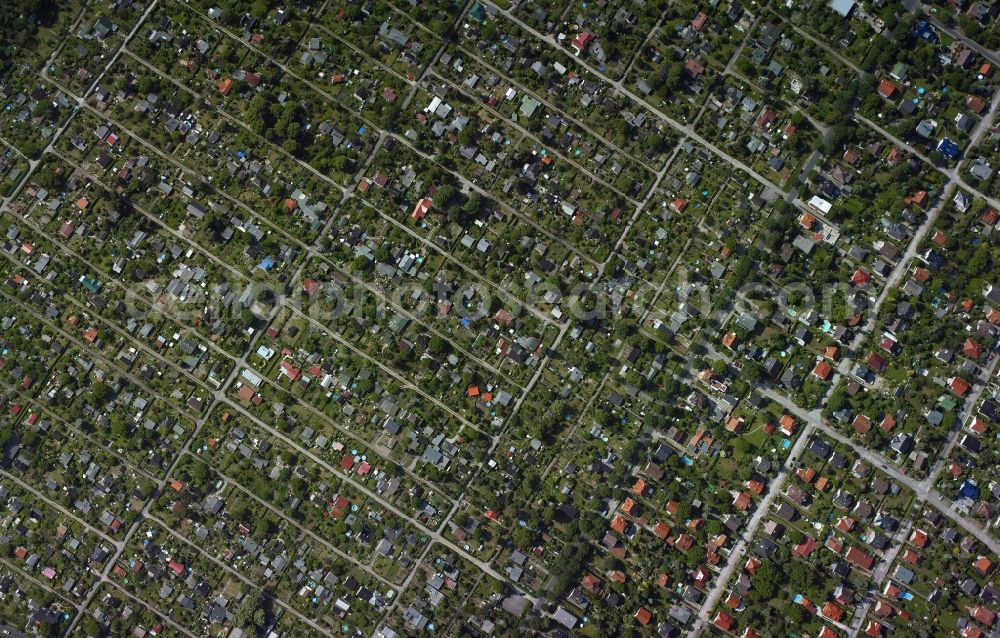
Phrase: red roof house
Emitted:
{"points": [[582, 41], [857, 557], [422, 208]]}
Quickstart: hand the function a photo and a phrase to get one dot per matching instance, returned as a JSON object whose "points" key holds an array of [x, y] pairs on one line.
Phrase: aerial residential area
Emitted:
{"points": [[391, 318]]}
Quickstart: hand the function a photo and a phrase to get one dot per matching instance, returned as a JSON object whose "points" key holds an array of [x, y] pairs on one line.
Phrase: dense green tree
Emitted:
{"points": [[20, 21], [251, 615]]}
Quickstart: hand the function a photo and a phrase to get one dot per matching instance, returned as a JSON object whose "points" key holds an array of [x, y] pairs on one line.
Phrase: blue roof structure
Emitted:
{"points": [[927, 32], [842, 7], [948, 148], [969, 490]]}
